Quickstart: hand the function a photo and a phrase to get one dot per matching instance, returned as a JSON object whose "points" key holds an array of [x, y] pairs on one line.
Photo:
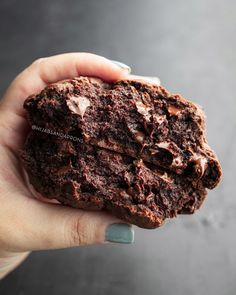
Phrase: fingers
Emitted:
{"points": [[39, 226], [52, 69]]}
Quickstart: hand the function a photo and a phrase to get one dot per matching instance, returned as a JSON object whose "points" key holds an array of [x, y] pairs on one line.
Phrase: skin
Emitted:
{"points": [[27, 223]]}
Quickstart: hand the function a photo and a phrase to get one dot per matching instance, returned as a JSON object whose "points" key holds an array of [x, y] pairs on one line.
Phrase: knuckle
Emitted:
{"points": [[77, 233], [38, 61]]}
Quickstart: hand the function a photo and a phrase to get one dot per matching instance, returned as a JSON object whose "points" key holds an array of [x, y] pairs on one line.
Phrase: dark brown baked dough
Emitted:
{"points": [[130, 148]]}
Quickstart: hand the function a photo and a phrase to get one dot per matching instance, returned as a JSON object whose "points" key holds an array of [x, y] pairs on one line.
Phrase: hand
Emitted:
{"points": [[26, 223]]}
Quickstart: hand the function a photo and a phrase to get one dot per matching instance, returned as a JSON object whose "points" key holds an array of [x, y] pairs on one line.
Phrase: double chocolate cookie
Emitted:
{"points": [[130, 148]]}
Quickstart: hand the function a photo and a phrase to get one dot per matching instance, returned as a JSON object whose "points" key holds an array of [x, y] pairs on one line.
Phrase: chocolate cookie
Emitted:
{"points": [[129, 148]]}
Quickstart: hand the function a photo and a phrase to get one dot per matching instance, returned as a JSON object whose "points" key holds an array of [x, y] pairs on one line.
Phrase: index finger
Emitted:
{"points": [[52, 69]]}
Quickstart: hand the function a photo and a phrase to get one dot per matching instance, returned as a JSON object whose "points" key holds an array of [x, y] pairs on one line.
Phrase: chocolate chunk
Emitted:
{"points": [[78, 104], [143, 110], [173, 110]]}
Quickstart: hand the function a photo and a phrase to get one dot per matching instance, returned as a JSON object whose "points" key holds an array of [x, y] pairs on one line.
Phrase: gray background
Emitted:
{"points": [[191, 46]]}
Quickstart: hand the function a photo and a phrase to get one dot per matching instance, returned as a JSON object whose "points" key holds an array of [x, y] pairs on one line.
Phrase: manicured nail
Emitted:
{"points": [[152, 80], [120, 233], [122, 65]]}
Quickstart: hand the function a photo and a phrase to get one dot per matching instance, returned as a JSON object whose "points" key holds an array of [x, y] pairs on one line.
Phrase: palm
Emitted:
{"points": [[12, 182], [11, 142]]}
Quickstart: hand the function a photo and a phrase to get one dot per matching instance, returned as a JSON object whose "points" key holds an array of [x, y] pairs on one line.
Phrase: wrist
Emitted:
{"points": [[9, 261]]}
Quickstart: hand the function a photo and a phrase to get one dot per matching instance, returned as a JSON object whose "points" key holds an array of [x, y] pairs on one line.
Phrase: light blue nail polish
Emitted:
{"points": [[120, 233], [122, 65]]}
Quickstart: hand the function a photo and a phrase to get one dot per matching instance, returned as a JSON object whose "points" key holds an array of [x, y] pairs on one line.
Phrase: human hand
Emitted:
{"points": [[27, 223]]}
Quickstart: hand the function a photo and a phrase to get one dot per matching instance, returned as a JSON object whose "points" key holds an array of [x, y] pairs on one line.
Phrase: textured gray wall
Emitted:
{"points": [[191, 46]]}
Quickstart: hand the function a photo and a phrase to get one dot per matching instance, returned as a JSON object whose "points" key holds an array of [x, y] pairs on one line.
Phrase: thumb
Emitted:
{"points": [[35, 225]]}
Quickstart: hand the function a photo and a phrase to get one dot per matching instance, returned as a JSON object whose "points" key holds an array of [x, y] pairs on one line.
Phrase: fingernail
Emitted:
{"points": [[122, 65], [120, 233], [153, 80]]}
